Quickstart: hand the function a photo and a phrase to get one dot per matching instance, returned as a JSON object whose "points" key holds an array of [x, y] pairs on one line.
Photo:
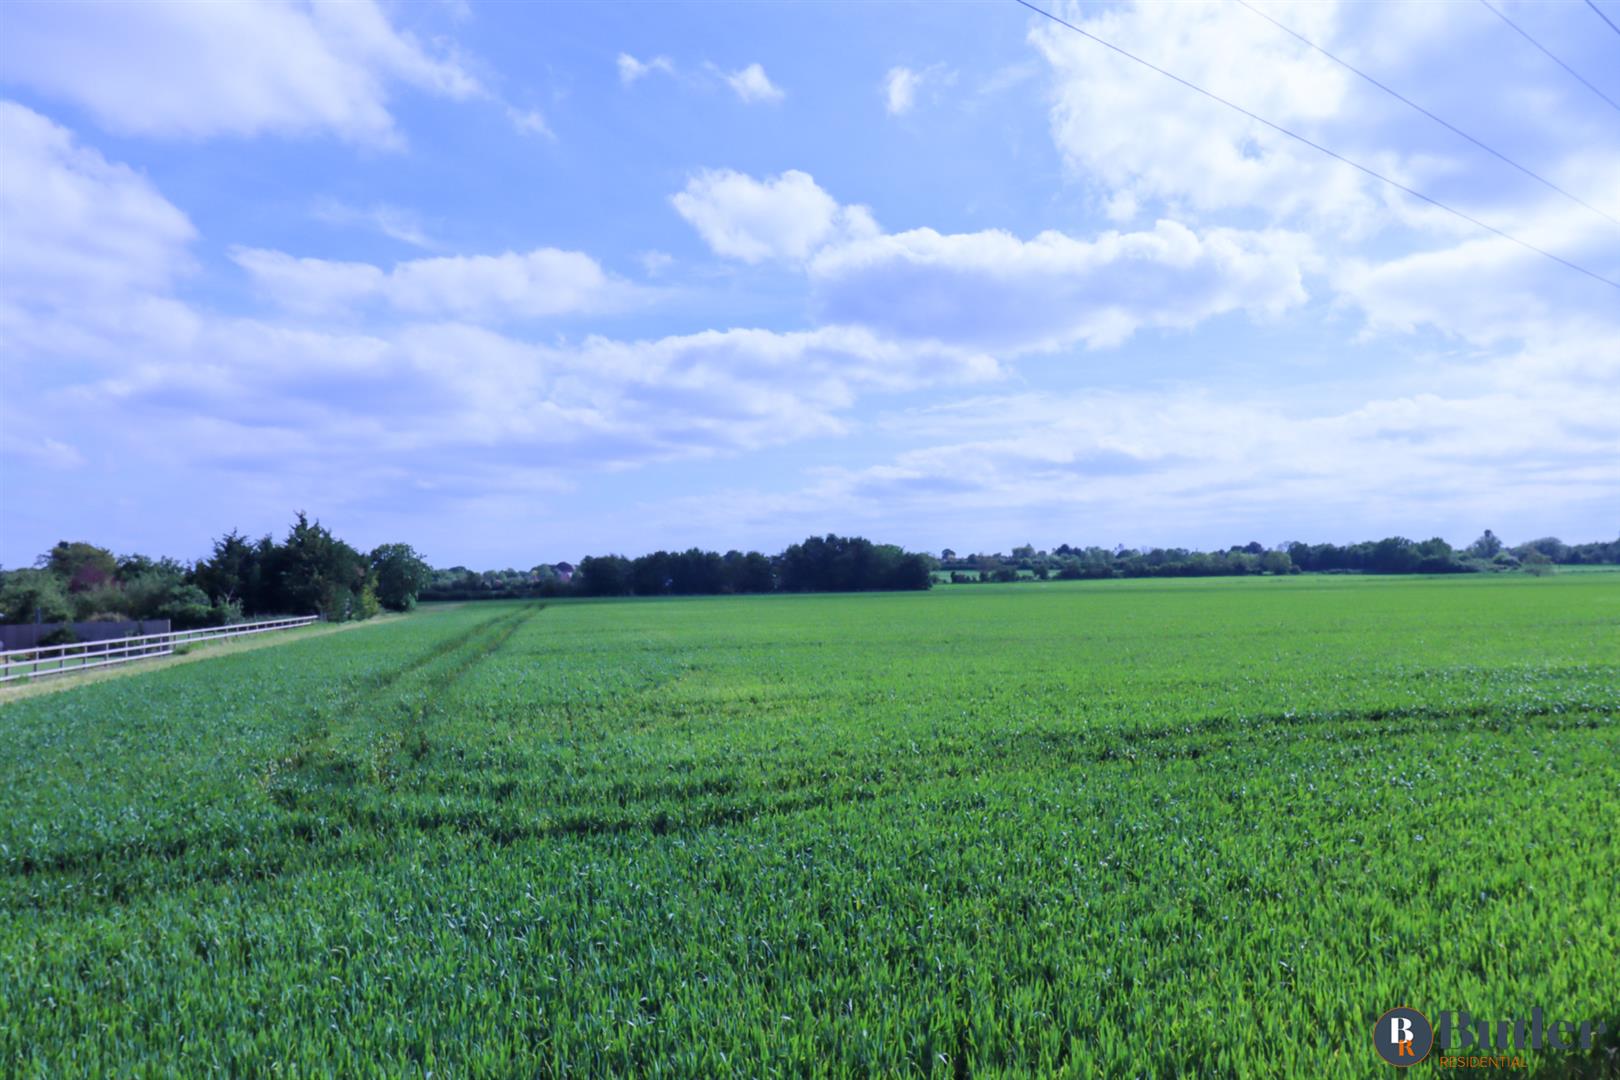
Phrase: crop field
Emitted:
{"points": [[1201, 828]]}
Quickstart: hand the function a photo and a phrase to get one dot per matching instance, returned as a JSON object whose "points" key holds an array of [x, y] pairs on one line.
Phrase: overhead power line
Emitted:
{"points": [[1602, 16], [1319, 147], [1550, 56], [1443, 123]]}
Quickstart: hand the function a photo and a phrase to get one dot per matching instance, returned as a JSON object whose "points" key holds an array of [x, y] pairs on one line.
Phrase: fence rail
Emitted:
{"points": [[43, 660]]}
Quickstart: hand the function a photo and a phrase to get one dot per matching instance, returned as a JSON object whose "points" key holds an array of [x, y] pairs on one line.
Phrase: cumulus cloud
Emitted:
{"points": [[76, 225], [1146, 144], [632, 70], [171, 68], [753, 86], [782, 217], [542, 282], [991, 289], [309, 285], [1487, 289], [1135, 131], [418, 383], [451, 394]]}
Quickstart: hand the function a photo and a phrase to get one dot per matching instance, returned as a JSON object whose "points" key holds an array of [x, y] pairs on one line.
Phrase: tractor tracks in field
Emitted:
{"points": [[360, 779], [376, 728], [696, 804], [387, 714]]}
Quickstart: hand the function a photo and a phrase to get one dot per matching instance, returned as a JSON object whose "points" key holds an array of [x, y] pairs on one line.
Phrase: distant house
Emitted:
{"points": [[565, 572]]}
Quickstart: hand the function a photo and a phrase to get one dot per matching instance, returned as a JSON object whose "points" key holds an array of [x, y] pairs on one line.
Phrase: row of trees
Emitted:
{"points": [[310, 572], [1392, 555], [820, 564], [460, 583]]}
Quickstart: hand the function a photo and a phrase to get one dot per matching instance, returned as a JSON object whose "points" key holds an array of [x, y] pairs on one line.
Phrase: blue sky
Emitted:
{"points": [[517, 283]]}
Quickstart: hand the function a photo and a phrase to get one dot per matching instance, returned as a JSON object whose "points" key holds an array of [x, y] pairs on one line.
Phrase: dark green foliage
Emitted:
{"points": [[312, 572], [604, 575], [34, 595], [62, 635], [232, 573], [851, 564], [400, 574], [1392, 555], [316, 573], [79, 565], [831, 564]]}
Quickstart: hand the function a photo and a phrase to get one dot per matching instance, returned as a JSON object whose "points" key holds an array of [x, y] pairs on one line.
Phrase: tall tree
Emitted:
{"points": [[400, 574], [79, 565]]}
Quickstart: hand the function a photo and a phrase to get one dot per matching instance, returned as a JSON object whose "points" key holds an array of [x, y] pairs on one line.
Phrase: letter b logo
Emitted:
{"points": [[1403, 1036]]}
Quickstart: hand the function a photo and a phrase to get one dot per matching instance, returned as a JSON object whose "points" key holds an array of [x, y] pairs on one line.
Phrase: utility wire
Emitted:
{"points": [[1318, 146], [1602, 16], [1448, 126], [1550, 56]]}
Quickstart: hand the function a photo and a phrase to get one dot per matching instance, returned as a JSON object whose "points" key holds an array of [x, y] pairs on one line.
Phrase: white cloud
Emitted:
{"points": [[900, 90], [545, 281], [782, 217], [172, 68], [1171, 467], [280, 405], [439, 398], [632, 70], [1134, 130], [309, 285], [752, 85], [394, 222], [993, 290], [902, 84], [535, 284], [75, 226], [655, 262], [529, 122], [1487, 289]]}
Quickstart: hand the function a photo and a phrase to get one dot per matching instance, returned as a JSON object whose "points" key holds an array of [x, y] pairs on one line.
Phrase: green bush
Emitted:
{"points": [[27, 595], [62, 635]]}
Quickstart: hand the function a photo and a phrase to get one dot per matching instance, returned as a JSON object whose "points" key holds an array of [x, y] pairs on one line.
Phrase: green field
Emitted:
{"points": [[1204, 828]]}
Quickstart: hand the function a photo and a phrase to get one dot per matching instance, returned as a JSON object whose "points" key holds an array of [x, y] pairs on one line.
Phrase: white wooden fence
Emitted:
{"points": [[43, 660]]}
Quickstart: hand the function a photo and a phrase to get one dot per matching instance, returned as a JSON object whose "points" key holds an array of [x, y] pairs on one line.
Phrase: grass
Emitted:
{"points": [[1204, 828]]}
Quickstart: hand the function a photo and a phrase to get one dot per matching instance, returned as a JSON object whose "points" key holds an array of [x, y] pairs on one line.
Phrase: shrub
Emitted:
{"points": [[62, 635], [366, 604], [27, 595]]}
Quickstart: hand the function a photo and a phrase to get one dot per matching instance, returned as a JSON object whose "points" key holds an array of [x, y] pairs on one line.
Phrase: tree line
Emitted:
{"points": [[1392, 555], [828, 563], [310, 572]]}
